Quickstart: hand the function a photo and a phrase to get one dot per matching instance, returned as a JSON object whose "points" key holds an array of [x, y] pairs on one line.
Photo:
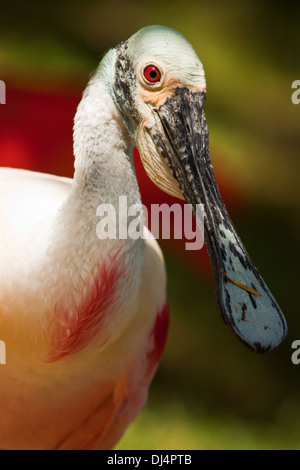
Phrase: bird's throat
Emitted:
{"points": [[104, 172]]}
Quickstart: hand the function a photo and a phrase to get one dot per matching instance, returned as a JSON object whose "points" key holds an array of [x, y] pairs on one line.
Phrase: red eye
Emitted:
{"points": [[152, 73]]}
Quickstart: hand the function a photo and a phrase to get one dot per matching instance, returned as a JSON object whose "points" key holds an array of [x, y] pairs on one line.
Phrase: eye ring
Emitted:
{"points": [[152, 74]]}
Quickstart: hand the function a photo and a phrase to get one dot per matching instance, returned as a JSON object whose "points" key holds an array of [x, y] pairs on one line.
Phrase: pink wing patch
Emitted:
{"points": [[70, 336], [158, 337]]}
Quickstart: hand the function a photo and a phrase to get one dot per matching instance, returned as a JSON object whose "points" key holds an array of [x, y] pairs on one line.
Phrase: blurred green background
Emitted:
{"points": [[210, 392]]}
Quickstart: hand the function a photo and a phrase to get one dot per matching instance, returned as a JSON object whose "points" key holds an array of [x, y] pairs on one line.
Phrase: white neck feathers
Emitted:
{"points": [[103, 172]]}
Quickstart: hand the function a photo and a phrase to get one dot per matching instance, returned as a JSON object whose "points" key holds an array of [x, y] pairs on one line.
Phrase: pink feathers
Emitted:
{"points": [[158, 336], [70, 331]]}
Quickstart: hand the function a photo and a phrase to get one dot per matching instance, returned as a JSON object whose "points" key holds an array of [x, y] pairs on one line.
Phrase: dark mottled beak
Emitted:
{"points": [[243, 298]]}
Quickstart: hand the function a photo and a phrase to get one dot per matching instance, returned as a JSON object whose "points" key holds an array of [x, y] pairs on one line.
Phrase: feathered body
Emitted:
{"points": [[77, 313]]}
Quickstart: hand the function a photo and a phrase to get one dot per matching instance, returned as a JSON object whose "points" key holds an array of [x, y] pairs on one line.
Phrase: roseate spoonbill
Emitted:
{"points": [[84, 320]]}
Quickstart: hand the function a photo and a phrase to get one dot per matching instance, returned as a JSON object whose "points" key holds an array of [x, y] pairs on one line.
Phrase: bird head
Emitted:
{"points": [[151, 68], [158, 83]]}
